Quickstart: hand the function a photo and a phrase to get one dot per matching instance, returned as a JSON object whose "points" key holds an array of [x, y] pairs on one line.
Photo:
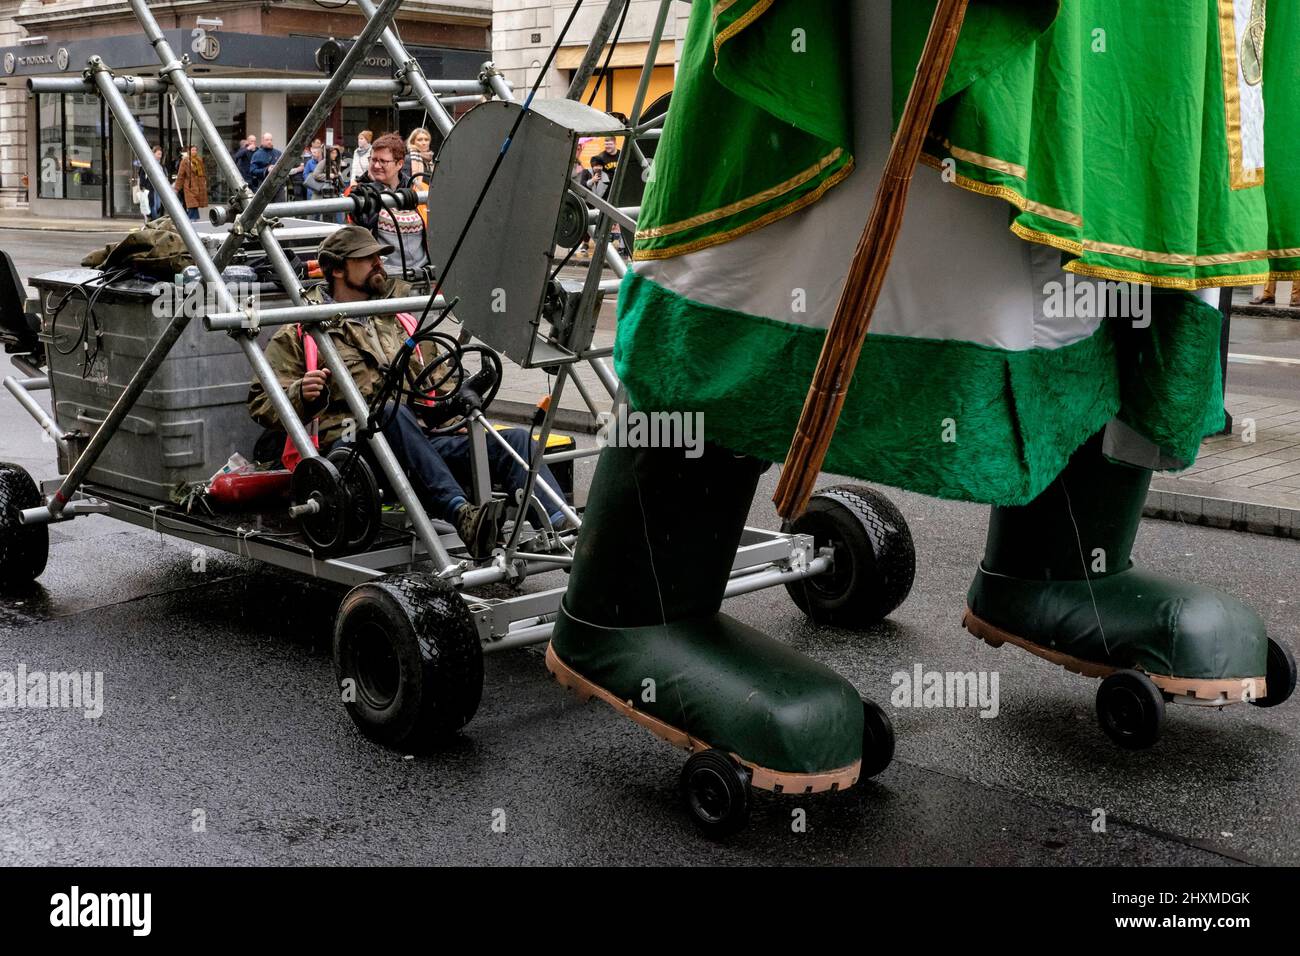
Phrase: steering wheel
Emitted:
{"points": [[473, 392]]}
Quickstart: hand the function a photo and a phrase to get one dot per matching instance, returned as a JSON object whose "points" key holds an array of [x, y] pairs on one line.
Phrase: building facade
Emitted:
{"points": [[64, 155], [523, 32]]}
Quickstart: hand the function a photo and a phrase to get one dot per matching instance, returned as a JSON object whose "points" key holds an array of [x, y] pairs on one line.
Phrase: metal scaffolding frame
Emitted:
{"points": [[765, 558]]}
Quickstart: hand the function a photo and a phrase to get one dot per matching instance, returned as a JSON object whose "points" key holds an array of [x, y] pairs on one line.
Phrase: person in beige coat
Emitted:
{"points": [[192, 182]]}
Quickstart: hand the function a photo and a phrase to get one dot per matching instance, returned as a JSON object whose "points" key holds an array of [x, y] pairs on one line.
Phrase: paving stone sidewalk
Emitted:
{"points": [[1249, 480]]}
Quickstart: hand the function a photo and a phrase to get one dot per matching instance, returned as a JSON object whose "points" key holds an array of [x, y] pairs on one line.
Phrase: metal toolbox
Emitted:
{"points": [[193, 414]]}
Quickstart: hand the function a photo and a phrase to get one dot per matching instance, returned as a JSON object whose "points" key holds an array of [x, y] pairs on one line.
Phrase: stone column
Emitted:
{"points": [[14, 111]]}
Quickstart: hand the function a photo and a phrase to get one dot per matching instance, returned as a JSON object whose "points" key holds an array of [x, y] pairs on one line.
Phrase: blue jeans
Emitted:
{"points": [[438, 465]]}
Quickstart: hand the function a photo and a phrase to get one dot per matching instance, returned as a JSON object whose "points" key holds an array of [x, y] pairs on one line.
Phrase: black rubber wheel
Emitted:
{"points": [[715, 790], [877, 739], [24, 549], [363, 512], [1280, 676], [408, 660], [875, 561], [1131, 709], [316, 479]]}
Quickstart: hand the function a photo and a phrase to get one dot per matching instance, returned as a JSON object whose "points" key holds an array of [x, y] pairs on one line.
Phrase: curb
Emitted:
{"points": [[90, 226], [566, 419], [1209, 505]]}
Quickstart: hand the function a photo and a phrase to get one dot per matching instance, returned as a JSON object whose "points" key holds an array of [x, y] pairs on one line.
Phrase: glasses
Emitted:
{"points": [[382, 162]]}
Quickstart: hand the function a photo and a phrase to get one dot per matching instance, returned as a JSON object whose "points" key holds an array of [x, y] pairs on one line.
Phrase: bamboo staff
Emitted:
{"points": [[844, 339]]}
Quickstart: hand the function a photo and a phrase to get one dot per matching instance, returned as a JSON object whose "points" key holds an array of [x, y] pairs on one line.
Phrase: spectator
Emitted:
{"points": [[155, 200], [1269, 295], [598, 178], [326, 180], [298, 173], [403, 229], [419, 158], [244, 157], [610, 155], [264, 159], [192, 183], [315, 159], [361, 158]]}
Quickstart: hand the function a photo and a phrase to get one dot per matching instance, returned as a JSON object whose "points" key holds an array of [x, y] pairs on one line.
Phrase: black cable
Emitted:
{"points": [[618, 32]]}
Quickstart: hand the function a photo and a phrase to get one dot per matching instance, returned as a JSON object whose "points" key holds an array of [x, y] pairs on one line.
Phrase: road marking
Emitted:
{"points": [[1243, 359]]}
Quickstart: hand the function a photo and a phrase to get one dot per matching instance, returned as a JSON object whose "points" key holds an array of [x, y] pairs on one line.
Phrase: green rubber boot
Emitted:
{"points": [[1058, 580], [640, 627]]}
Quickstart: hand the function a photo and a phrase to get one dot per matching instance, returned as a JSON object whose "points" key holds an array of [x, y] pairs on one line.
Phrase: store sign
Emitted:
{"points": [[61, 58], [9, 62], [205, 44]]}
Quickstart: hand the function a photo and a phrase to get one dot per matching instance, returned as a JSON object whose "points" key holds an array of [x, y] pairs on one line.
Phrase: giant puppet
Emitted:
{"points": [[1075, 142]]}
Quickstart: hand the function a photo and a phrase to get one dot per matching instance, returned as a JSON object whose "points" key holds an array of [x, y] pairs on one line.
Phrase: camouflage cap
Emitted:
{"points": [[351, 242]]}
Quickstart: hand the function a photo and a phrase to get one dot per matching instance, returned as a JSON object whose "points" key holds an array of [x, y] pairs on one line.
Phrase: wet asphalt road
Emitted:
{"points": [[220, 698]]}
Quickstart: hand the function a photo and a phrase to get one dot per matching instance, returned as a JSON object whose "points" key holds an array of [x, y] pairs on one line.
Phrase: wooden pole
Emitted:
{"points": [[848, 330]]}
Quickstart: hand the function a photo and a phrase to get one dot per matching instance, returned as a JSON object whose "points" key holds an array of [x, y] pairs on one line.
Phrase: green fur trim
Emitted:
{"points": [[943, 418]]}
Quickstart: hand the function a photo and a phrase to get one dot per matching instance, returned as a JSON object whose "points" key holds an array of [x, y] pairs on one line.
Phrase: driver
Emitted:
{"points": [[351, 260]]}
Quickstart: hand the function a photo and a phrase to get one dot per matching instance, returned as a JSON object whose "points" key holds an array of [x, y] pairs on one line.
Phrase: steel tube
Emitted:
{"points": [[543, 435], [582, 75], [158, 351], [279, 174], [632, 212], [500, 88], [586, 397], [523, 637], [175, 71], [615, 262], [556, 498], [20, 389], [234, 319], [555, 457], [584, 325], [222, 215], [388, 463], [207, 268], [749, 581], [284, 410], [412, 73], [606, 376], [21, 363], [232, 84]]}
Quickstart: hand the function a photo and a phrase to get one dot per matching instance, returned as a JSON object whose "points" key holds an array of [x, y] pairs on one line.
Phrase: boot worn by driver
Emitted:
{"points": [[640, 627], [479, 526], [1058, 580]]}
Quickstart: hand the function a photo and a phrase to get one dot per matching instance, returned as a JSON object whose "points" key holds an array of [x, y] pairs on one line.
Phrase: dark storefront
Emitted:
{"points": [[79, 162]]}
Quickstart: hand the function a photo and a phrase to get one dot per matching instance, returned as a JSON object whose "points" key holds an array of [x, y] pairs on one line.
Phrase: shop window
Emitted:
{"points": [[49, 148], [227, 112], [83, 142]]}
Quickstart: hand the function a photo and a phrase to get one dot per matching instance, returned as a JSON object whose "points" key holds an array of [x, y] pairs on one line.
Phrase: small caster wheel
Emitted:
{"points": [[1280, 676], [877, 739], [716, 791], [1131, 709]]}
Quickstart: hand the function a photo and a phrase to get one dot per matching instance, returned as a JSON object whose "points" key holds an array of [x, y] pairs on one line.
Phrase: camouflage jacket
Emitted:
{"points": [[367, 345]]}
